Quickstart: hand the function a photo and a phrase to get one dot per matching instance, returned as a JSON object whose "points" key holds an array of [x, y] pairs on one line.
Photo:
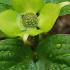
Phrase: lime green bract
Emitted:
{"points": [[30, 17]]}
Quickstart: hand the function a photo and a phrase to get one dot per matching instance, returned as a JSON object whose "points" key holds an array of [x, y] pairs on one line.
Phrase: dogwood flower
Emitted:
{"points": [[30, 17]]}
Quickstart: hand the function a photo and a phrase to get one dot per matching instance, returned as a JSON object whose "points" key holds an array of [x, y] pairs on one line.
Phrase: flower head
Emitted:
{"points": [[30, 17]]}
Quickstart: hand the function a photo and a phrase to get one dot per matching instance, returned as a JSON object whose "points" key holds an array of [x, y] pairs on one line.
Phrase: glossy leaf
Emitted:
{"points": [[55, 48], [45, 64], [65, 10], [14, 56]]}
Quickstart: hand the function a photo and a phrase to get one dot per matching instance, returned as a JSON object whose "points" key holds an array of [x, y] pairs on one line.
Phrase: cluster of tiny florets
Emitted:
{"points": [[30, 20]]}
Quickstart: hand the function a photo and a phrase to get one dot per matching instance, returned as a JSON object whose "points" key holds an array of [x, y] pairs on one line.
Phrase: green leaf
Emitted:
{"points": [[45, 64], [49, 14], [65, 10], [55, 48], [14, 56]]}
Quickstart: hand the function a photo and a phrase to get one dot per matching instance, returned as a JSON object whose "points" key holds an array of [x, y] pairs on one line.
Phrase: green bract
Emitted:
{"points": [[29, 17]]}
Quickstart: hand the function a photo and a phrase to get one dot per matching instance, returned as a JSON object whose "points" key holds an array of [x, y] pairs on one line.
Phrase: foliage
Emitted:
{"points": [[51, 53]]}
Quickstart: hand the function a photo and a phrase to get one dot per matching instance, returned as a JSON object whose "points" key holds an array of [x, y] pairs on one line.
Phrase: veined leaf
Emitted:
{"points": [[55, 48], [14, 55]]}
